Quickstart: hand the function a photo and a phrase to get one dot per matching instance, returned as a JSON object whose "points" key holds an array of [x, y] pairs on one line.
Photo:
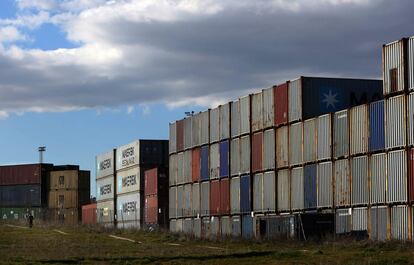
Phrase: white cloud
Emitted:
{"points": [[10, 34], [130, 109]]}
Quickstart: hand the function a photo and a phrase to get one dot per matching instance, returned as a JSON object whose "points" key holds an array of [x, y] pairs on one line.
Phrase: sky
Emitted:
{"points": [[83, 76]]}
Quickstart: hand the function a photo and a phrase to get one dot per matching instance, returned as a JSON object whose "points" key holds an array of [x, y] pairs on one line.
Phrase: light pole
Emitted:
{"points": [[41, 149]]}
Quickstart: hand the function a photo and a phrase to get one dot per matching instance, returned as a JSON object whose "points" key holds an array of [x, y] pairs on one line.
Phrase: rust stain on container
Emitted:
{"points": [[214, 197], [195, 166], [224, 196], [257, 152], [180, 135], [281, 104]]}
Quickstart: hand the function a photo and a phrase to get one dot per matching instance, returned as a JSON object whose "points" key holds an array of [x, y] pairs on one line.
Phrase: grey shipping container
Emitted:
{"points": [[295, 144], [188, 130], [360, 219], [399, 222], [268, 108], [395, 122], [309, 140], [173, 202], [235, 195], [283, 190], [342, 183], [359, 129], [411, 63], [269, 191], [341, 134], [269, 149], [214, 228], [173, 138], [196, 199], [173, 170], [410, 118], [235, 156], [343, 221], [214, 125], [324, 141], [204, 127], [324, 173], [188, 226], [214, 160], [187, 166], [179, 226], [205, 198], [225, 121], [187, 200], [282, 147], [378, 223], [295, 100], [180, 201], [257, 111], [235, 118], [393, 67], [236, 226], [378, 189], [245, 115], [196, 129], [180, 168], [258, 192], [245, 154], [397, 176], [104, 188], [129, 210], [197, 227], [225, 226], [173, 225], [105, 164], [297, 188], [359, 178]]}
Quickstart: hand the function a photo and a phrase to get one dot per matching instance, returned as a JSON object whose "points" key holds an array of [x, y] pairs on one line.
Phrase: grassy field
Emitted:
{"points": [[81, 245]]}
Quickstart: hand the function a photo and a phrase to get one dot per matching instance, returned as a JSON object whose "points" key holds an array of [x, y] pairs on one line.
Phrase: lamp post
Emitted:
{"points": [[41, 149]]}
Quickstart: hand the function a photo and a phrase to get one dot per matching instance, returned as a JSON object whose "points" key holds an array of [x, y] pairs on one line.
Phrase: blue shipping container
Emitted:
{"points": [[20, 196], [204, 164], [326, 95], [245, 194], [309, 183], [224, 159], [247, 226], [376, 126]]}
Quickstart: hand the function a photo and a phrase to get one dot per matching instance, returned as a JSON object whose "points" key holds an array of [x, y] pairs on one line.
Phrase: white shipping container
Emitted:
{"points": [[225, 121], [258, 192], [187, 200], [205, 198], [269, 149], [397, 176], [128, 180], [410, 118], [341, 134], [245, 115], [129, 209], [324, 141], [269, 191], [309, 140], [359, 129], [196, 130], [342, 183], [173, 202], [297, 194], [214, 161], [197, 227], [105, 188], [268, 107], [180, 201], [257, 111], [188, 131], [173, 138], [295, 144], [360, 219], [282, 147], [235, 156], [283, 190], [399, 223], [359, 178], [324, 173], [378, 164], [395, 122], [393, 66], [235, 119], [235, 195], [195, 207], [105, 164], [127, 155], [214, 125], [245, 154], [295, 100], [173, 169], [204, 127], [105, 212], [187, 164], [225, 226]]}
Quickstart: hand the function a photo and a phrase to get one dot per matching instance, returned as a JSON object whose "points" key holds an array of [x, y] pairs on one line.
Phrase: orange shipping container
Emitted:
{"points": [[151, 210], [215, 197], [195, 165], [257, 152], [151, 181], [224, 196], [89, 214]]}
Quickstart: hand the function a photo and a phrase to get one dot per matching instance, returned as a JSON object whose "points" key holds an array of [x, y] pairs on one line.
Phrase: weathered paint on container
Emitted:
{"points": [[204, 127], [225, 121], [341, 134], [224, 196], [204, 163], [173, 170], [173, 225], [21, 196], [397, 176], [224, 159], [411, 63], [236, 225], [268, 107], [225, 226], [282, 147], [378, 178], [247, 226], [205, 227], [205, 198], [410, 118], [359, 168], [214, 125], [188, 198], [295, 100], [257, 152], [360, 219], [214, 228], [245, 115], [376, 126], [179, 225], [197, 227], [155, 181], [283, 190], [399, 220], [393, 67], [105, 212], [89, 214], [235, 156], [309, 140], [343, 221], [214, 197], [324, 180], [258, 192], [281, 104], [411, 174], [310, 186], [395, 122], [214, 160], [172, 138], [188, 226], [196, 130], [269, 191], [188, 131], [235, 118], [295, 144], [128, 180], [359, 130], [257, 112], [245, 194], [129, 210], [297, 193], [269, 160], [105, 188], [187, 166], [342, 183], [195, 207], [151, 210], [245, 154], [195, 164], [180, 201], [378, 223], [235, 195], [105, 165], [180, 168], [324, 137], [172, 202]]}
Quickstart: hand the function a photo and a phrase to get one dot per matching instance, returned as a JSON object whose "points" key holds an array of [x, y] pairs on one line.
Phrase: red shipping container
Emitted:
{"points": [[224, 196], [257, 152], [180, 135], [195, 164], [151, 209], [89, 214], [215, 197], [151, 181], [411, 175], [281, 104], [22, 174]]}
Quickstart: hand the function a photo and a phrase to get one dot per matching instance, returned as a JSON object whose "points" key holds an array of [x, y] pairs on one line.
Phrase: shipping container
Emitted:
{"points": [[187, 166], [257, 152], [195, 207], [224, 159], [63, 199], [68, 217], [224, 196], [188, 131], [324, 171], [172, 138], [281, 104], [180, 135], [411, 175], [105, 188], [397, 176], [142, 152], [105, 212], [378, 223], [105, 164], [258, 193], [214, 228], [21, 196], [410, 118], [235, 195], [295, 144], [69, 178], [225, 226], [342, 183], [359, 130], [282, 147], [309, 140], [89, 214], [151, 210], [214, 125], [188, 226], [205, 227], [245, 154], [378, 178], [195, 164], [278, 227], [236, 225], [179, 226], [214, 197], [295, 100], [324, 137], [393, 67], [268, 108], [283, 190], [360, 219], [205, 198], [188, 199], [180, 168], [376, 126], [214, 161], [411, 63], [245, 193], [129, 180], [235, 156], [269, 149], [395, 122], [196, 130], [296, 178], [343, 221], [204, 127], [247, 227], [204, 163], [180, 201], [341, 134], [245, 115], [225, 121], [257, 111], [310, 186], [399, 223], [173, 226], [172, 202], [235, 118], [173, 171], [359, 168], [197, 227], [269, 191]]}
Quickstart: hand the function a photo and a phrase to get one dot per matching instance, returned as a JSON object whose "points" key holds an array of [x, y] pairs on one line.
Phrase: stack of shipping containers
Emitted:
{"points": [[156, 198], [105, 188]]}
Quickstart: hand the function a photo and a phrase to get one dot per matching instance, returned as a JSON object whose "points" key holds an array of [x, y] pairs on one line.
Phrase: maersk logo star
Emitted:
{"points": [[330, 99]]}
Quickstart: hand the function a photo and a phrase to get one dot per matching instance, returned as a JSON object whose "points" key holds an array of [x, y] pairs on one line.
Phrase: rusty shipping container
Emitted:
{"points": [[281, 104], [394, 67], [214, 125], [173, 170], [309, 140], [359, 130], [324, 180], [283, 190], [395, 124], [341, 134], [399, 223], [324, 137], [269, 160], [195, 203], [214, 197], [214, 161], [195, 165], [360, 219], [397, 176], [257, 111], [295, 144], [235, 195], [64, 199], [342, 183], [180, 135], [257, 152], [89, 214], [282, 147], [268, 107], [245, 154], [69, 178], [224, 196]]}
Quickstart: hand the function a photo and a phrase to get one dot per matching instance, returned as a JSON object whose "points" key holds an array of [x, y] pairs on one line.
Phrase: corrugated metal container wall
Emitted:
{"points": [[268, 108], [20, 196], [309, 183], [393, 64], [151, 181], [296, 176], [342, 183], [225, 121], [128, 210], [204, 198], [195, 207], [245, 154], [257, 152], [89, 214], [399, 223], [188, 226], [360, 219], [378, 223], [359, 179], [187, 200], [397, 176], [245, 192], [129, 180], [105, 188], [188, 131], [179, 226], [224, 196], [395, 121], [205, 227], [410, 118], [324, 141], [224, 159], [197, 227], [204, 127], [341, 134], [225, 225], [257, 111], [172, 138], [411, 63], [236, 226], [29, 174], [214, 161], [295, 144], [282, 147], [173, 202], [325, 185], [180, 135], [258, 192], [214, 197], [188, 169], [269, 191], [245, 115], [411, 175], [195, 164], [281, 104], [235, 119], [196, 129], [235, 156], [283, 190], [376, 126], [173, 225], [378, 178], [204, 164], [105, 212], [180, 201], [214, 125], [343, 221], [214, 228], [359, 129], [235, 195], [104, 166], [295, 100], [247, 226], [269, 149], [180, 168], [151, 209], [309, 140]]}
